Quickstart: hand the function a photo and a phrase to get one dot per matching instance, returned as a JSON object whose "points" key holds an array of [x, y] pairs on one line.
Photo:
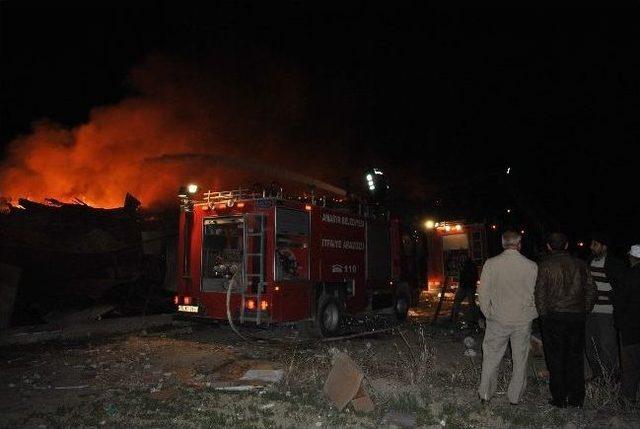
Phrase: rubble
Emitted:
{"points": [[362, 401], [469, 342], [344, 385], [400, 419], [267, 375], [86, 315], [193, 378], [74, 257], [36, 334]]}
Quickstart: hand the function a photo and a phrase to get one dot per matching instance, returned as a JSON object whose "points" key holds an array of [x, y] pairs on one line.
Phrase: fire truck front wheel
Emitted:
{"points": [[329, 317]]}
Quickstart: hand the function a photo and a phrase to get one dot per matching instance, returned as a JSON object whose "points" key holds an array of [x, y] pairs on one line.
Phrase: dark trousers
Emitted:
{"points": [[630, 357], [563, 342], [602, 345]]}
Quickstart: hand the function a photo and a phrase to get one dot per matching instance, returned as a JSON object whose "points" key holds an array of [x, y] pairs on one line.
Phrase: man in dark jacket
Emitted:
{"points": [[565, 293], [627, 319]]}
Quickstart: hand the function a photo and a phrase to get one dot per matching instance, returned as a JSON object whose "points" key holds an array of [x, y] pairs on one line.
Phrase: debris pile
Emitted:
{"points": [[73, 256]]}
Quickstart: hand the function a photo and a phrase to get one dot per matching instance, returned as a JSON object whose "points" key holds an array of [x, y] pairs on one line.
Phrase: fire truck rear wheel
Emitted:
{"points": [[329, 316], [401, 304]]}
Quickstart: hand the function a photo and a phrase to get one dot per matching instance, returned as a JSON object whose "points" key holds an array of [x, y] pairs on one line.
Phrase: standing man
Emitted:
{"points": [[466, 288], [601, 336], [627, 314], [506, 291], [565, 294]]}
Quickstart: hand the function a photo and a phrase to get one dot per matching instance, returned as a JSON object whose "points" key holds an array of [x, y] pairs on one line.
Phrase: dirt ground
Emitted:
{"points": [[417, 375]]}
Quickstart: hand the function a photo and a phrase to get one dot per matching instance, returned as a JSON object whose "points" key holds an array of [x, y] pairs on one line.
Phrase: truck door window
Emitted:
{"points": [[221, 252], [292, 245]]}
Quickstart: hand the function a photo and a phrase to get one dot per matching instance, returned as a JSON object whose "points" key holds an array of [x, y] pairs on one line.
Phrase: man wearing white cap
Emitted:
{"points": [[627, 313]]}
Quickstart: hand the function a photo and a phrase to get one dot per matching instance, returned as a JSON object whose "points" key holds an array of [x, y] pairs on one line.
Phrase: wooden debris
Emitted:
{"points": [[30, 335], [86, 315], [362, 402], [83, 386]]}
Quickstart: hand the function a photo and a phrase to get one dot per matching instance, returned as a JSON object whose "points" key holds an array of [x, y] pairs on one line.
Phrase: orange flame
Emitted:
{"points": [[98, 162], [180, 111]]}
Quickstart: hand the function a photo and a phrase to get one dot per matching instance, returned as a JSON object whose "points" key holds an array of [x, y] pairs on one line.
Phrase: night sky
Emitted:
{"points": [[443, 100]]}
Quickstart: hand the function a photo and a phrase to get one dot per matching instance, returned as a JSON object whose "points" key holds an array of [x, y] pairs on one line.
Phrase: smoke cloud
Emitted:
{"points": [[257, 109]]}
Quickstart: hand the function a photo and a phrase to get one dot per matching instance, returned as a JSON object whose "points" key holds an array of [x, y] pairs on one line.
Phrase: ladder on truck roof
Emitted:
{"points": [[213, 197], [254, 265]]}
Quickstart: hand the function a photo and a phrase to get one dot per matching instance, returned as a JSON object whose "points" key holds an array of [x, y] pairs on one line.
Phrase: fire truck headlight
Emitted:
{"points": [[429, 224], [192, 188]]}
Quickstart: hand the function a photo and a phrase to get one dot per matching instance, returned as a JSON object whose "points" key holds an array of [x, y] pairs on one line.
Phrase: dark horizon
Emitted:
{"points": [[443, 100]]}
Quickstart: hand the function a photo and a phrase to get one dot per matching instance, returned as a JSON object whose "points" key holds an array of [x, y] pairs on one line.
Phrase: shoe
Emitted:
{"points": [[559, 404], [514, 403]]}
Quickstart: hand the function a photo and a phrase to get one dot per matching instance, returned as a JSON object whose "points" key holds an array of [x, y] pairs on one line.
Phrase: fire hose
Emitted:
{"points": [[229, 317]]}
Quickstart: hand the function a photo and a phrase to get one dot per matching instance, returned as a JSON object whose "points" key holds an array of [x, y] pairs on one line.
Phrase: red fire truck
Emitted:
{"points": [[447, 242], [263, 258]]}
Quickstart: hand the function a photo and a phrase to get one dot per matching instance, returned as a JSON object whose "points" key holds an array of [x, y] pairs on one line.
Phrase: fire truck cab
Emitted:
{"points": [[255, 258]]}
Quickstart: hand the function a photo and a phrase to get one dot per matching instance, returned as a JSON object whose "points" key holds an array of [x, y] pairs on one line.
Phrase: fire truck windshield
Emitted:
{"points": [[221, 251]]}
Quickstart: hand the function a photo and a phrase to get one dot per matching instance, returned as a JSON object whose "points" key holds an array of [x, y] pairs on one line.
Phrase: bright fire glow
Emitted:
{"points": [[117, 149]]}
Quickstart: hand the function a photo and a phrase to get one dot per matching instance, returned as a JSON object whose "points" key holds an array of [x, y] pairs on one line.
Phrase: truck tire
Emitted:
{"points": [[329, 316], [401, 303]]}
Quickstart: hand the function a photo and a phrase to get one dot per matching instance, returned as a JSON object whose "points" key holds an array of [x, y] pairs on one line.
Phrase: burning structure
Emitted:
{"points": [[72, 256]]}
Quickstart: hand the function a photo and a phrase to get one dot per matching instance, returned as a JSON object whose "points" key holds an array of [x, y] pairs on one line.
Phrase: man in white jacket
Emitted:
{"points": [[506, 295]]}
